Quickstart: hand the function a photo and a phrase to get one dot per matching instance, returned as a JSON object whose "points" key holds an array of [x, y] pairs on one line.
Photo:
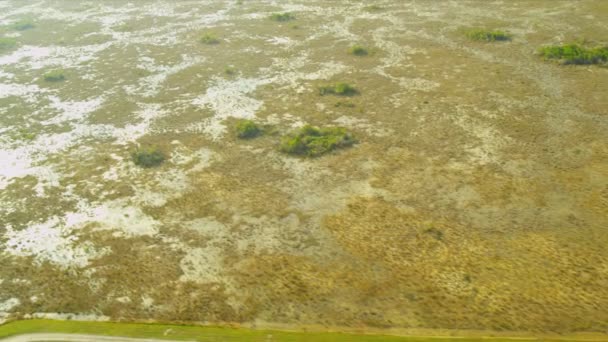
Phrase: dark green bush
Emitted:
{"points": [[148, 157], [54, 76], [282, 17], [313, 141], [341, 89], [247, 129], [575, 54], [487, 36]]}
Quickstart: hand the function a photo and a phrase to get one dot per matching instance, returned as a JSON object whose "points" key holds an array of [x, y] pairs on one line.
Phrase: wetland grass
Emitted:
{"points": [[339, 89], [311, 141], [483, 35], [247, 129], [148, 157], [575, 54], [282, 17], [54, 76]]}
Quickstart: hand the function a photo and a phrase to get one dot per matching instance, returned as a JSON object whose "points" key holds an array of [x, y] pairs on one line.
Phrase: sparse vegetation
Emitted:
{"points": [[575, 54], [358, 50], [7, 43], [312, 141], [340, 89], [487, 35], [148, 157], [23, 25], [282, 16], [247, 129], [209, 39], [54, 76]]}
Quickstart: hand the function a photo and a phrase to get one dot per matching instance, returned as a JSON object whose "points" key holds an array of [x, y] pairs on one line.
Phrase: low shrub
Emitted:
{"points": [[487, 36], [358, 50], [575, 54], [7, 43], [247, 129], [312, 141], [148, 157], [209, 39], [282, 16], [23, 25], [54, 76], [340, 89]]}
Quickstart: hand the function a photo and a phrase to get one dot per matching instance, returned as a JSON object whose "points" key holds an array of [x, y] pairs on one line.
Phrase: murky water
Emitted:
{"points": [[476, 198]]}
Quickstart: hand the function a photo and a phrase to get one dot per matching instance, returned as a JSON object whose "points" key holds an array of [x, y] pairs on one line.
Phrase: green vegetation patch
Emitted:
{"points": [[282, 16], [340, 89], [358, 50], [23, 25], [7, 43], [312, 141], [148, 157], [575, 54], [483, 35], [54, 76], [247, 129], [209, 39]]}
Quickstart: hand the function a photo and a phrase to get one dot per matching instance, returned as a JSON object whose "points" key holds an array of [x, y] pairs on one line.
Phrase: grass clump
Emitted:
{"points": [[7, 43], [247, 129], [483, 35], [209, 39], [340, 89], [358, 50], [23, 25], [312, 141], [54, 76], [575, 54], [148, 157], [282, 17]]}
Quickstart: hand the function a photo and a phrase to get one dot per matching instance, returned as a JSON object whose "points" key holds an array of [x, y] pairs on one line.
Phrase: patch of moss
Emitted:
{"points": [[23, 25], [148, 157], [340, 89], [487, 36], [358, 50], [7, 43], [247, 129], [312, 141], [54, 76], [209, 39], [575, 54], [282, 17]]}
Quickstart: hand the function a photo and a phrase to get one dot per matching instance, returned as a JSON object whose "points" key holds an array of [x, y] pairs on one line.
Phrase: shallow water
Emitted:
{"points": [[476, 198]]}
